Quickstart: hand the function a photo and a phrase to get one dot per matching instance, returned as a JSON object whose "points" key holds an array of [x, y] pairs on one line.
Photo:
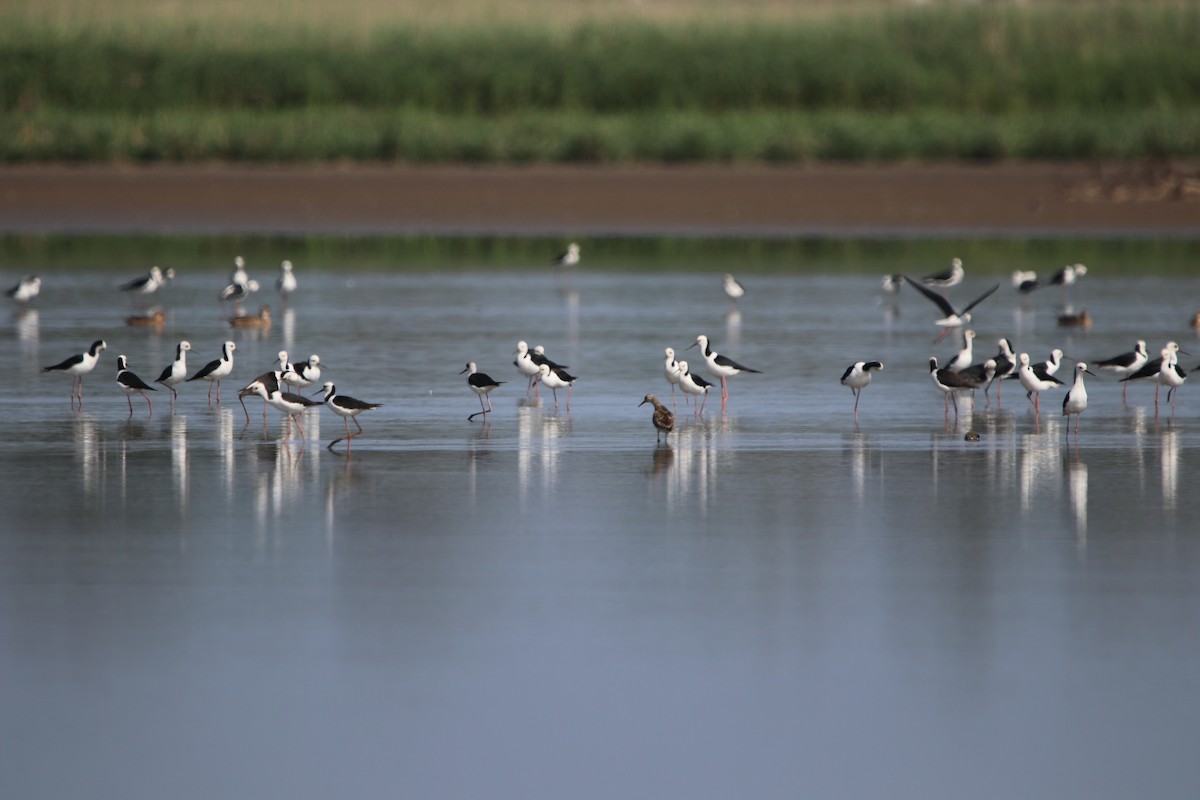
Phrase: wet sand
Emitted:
{"points": [[862, 200]]}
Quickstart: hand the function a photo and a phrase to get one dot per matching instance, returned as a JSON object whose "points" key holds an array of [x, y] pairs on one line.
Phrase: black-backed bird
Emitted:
{"points": [[569, 258], [348, 408], [289, 403], [1126, 364], [950, 383], [482, 385], [952, 276], [557, 378], [1076, 399], [694, 385], [149, 283], [77, 366], [526, 365], [719, 366], [176, 371], [954, 318], [858, 376], [215, 371], [1035, 381], [25, 289], [286, 283], [131, 384]]}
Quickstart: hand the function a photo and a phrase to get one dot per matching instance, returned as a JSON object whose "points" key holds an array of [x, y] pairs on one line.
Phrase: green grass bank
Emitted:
{"points": [[936, 81]]}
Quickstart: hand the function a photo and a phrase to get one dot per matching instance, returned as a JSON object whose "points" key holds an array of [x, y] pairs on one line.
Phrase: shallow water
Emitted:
{"points": [[775, 602]]}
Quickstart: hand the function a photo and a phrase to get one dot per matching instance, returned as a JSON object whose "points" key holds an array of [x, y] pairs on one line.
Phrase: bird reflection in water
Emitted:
{"points": [[1077, 490]]}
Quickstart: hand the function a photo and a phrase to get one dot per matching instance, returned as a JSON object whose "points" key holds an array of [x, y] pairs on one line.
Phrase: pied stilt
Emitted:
{"points": [[348, 408], [557, 378], [858, 376], [176, 371], [214, 371], [25, 289], [966, 355], [953, 318], [693, 385], [285, 284], [719, 366], [733, 289], [1077, 398], [77, 366], [947, 277], [482, 385], [569, 258], [1126, 364], [1036, 380], [526, 366], [131, 384]]}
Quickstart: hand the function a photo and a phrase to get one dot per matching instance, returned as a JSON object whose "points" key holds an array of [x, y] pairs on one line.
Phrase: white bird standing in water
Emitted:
{"points": [[286, 283], [733, 289], [1077, 400], [671, 370], [858, 376], [946, 278], [568, 259]]}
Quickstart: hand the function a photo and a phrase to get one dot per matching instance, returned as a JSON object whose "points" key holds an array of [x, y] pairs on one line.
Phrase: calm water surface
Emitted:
{"points": [[775, 603]]}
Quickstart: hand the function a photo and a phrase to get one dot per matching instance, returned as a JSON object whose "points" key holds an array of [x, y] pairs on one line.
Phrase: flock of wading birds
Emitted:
{"points": [[959, 376]]}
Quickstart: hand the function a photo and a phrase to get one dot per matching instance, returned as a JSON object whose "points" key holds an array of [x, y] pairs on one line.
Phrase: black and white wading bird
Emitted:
{"points": [[671, 370], [556, 378], [285, 284], [662, 418], [303, 374], [719, 366], [858, 376], [77, 366], [1152, 369], [348, 408], [569, 258], [951, 276], [214, 371], [1126, 364], [131, 384], [734, 290], [966, 355], [951, 384], [176, 371], [953, 318], [1076, 400], [1036, 380], [291, 404], [693, 385], [25, 289], [149, 283], [526, 366], [482, 385]]}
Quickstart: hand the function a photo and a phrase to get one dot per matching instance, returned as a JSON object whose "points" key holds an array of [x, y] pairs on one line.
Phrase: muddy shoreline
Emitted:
{"points": [[859, 200]]}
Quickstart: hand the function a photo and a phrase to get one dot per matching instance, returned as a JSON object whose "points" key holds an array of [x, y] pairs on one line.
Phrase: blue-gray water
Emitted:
{"points": [[775, 603]]}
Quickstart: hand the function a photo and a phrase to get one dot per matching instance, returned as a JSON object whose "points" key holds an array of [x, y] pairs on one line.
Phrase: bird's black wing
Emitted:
{"points": [[937, 299], [981, 298]]}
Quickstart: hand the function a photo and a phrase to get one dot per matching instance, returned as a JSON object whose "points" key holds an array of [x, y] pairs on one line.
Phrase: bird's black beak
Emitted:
{"points": [[464, 369], [641, 403], [690, 346]]}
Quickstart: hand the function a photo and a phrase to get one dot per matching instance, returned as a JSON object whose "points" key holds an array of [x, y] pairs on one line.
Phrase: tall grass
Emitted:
{"points": [[1113, 80]]}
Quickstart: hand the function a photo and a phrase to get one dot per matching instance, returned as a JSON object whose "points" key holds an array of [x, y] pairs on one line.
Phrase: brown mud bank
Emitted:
{"points": [[850, 200]]}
